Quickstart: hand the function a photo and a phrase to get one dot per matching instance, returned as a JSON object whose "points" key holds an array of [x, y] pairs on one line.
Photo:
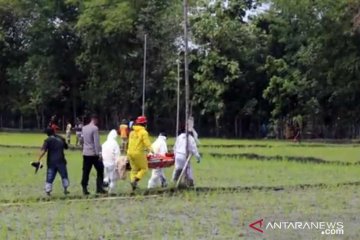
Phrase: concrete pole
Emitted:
{"points": [[178, 98], [186, 72], [144, 75]]}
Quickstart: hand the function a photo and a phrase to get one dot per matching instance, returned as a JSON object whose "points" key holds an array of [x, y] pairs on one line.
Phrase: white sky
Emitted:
{"points": [[262, 8]]}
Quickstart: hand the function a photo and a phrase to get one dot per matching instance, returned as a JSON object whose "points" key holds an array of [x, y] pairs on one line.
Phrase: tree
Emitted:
{"points": [[228, 63], [316, 62]]}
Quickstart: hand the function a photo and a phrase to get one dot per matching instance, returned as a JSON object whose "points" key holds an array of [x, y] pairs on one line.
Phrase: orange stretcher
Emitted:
{"points": [[161, 161]]}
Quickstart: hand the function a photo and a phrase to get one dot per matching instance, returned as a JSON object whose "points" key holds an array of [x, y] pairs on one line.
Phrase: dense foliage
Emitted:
{"points": [[294, 65]]}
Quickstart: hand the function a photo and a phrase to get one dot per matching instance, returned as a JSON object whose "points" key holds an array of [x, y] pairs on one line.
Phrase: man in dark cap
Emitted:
{"points": [[54, 146]]}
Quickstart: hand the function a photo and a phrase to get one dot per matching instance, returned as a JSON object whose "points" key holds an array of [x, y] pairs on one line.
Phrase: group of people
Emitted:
{"points": [[77, 128], [110, 156]]}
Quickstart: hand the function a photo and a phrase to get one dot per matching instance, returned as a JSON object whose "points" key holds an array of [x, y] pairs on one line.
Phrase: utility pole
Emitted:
{"points": [[178, 98], [144, 76], [186, 73], [187, 91]]}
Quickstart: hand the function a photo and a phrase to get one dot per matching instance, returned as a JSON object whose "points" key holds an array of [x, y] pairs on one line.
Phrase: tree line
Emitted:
{"points": [[294, 65]]}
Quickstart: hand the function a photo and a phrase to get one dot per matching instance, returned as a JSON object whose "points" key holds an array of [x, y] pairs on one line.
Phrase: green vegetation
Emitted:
{"points": [[296, 64], [187, 216], [230, 194]]}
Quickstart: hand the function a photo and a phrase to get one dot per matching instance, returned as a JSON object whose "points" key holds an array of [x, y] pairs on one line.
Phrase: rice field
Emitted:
{"points": [[237, 183]]}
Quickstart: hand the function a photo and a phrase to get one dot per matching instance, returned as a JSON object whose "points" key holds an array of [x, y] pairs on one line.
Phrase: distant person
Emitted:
{"points": [[131, 123], [92, 156], [52, 120], [124, 135], [180, 156], [53, 124], [68, 132], [263, 130], [297, 133], [139, 142], [78, 131], [54, 146], [110, 156], [157, 175]]}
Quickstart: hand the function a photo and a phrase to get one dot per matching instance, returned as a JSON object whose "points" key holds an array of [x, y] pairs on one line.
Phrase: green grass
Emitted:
{"points": [[211, 172], [30, 139], [34, 139], [333, 153], [213, 214], [188, 216]]}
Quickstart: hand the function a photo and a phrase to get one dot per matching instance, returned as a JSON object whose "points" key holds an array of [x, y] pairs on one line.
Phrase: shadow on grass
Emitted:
{"points": [[254, 156], [169, 192]]}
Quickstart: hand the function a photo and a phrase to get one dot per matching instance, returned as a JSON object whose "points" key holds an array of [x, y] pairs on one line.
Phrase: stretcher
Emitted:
{"points": [[161, 161]]}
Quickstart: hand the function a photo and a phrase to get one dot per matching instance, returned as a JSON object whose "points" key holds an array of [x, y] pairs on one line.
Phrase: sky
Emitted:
{"points": [[262, 8]]}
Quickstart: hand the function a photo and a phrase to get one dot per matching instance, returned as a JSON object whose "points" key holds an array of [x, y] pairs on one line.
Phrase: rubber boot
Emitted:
{"points": [[177, 174], [106, 184], [101, 191], [66, 192], [190, 183], [100, 186], [85, 191], [134, 184]]}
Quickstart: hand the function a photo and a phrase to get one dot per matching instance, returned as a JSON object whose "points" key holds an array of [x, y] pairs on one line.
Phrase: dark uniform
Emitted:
{"points": [[54, 145]]}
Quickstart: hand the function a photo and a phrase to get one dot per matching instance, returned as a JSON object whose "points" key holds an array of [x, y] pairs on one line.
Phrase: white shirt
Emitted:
{"points": [[68, 128]]}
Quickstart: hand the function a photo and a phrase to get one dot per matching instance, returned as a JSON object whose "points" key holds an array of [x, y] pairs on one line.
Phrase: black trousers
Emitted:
{"points": [[88, 162]]}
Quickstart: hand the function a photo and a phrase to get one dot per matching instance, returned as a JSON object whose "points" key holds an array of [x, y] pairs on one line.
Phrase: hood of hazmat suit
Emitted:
{"points": [[180, 145], [159, 146], [139, 140], [110, 149]]}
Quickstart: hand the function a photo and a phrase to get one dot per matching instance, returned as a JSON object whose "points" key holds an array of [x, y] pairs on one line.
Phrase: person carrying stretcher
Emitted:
{"points": [[110, 156], [139, 142], [159, 147], [180, 156]]}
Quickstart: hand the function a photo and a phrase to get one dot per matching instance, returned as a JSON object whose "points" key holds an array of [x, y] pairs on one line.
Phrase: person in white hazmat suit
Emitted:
{"points": [[110, 155], [192, 129], [157, 176], [180, 157]]}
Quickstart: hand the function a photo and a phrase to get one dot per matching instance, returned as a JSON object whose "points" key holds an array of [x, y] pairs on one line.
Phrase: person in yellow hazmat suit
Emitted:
{"points": [[139, 143]]}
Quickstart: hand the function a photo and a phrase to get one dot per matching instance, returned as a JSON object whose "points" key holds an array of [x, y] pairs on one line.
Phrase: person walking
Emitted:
{"points": [[54, 146], [157, 175], [131, 123], [124, 135], [110, 156], [78, 131], [53, 124], [92, 156], [68, 132], [139, 142], [180, 156]]}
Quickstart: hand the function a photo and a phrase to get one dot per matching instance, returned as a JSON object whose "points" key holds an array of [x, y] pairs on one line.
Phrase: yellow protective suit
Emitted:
{"points": [[139, 142]]}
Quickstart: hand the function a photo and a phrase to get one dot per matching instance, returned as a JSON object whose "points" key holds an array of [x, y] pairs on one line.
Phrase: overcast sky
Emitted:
{"points": [[260, 9]]}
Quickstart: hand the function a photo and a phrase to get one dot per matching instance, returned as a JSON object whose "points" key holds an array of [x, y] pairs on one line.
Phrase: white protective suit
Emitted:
{"points": [[110, 155], [180, 155], [192, 129], [157, 176]]}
